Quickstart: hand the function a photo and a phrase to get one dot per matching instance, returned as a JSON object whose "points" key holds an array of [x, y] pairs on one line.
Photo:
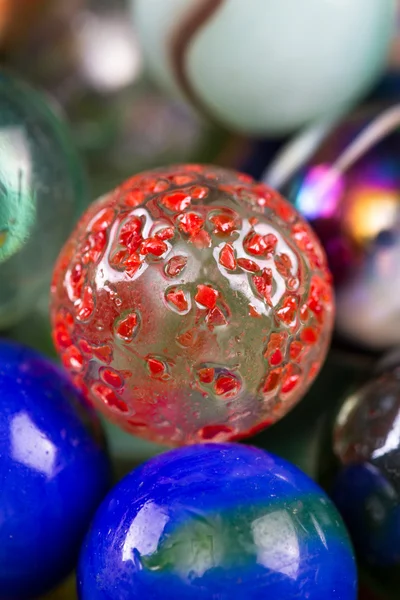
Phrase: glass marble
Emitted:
{"points": [[191, 304], [364, 477], [266, 67], [54, 472], [366, 444], [217, 521], [42, 191], [343, 177]]}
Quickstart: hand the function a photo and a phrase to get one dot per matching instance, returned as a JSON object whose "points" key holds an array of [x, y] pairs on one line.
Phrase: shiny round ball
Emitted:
{"points": [[42, 193], [54, 473], [366, 444], [266, 67], [343, 177], [217, 521], [191, 304]]}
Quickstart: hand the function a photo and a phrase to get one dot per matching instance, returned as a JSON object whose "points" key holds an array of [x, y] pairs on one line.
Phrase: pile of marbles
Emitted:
{"points": [[199, 381]]}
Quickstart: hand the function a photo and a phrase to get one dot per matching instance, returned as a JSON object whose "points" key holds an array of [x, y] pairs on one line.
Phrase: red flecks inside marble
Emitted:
{"points": [[192, 304]]}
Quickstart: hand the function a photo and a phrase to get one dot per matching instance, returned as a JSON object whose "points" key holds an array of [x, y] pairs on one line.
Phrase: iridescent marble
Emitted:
{"points": [[191, 304], [266, 67], [366, 487], [53, 472], [42, 192], [217, 521], [344, 178]]}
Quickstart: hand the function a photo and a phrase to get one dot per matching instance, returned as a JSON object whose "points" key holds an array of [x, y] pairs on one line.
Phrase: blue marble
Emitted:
{"points": [[218, 521], [370, 506], [53, 472]]}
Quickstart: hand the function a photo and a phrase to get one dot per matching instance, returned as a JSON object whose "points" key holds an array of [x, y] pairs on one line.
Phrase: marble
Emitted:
{"points": [[266, 67], [42, 190], [343, 178], [220, 521], [192, 304], [53, 470], [366, 489]]}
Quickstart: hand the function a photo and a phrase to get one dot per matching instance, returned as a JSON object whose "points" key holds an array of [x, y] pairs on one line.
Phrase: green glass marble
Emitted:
{"points": [[42, 192]]}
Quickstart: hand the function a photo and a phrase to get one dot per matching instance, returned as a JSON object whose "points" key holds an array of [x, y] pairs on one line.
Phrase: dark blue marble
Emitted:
{"points": [[53, 472], [370, 506], [220, 521]]}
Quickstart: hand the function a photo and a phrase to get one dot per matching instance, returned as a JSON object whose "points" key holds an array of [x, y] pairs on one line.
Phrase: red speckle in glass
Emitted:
{"points": [[210, 432], [248, 265], [111, 377], [227, 257], [108, 397], [165, 234], [206, 375], [206, 296], [85, 306], [216, 317], [153, 246], [126, 326], [176, 201], [178, 299], [224, 224], [72, 359], [263, 284], [175, 266], [190, 223], [227, 385]]}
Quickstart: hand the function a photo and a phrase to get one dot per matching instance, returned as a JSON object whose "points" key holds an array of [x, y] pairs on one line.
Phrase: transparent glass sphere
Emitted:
{"points": [[42, 192], [192, 304]]}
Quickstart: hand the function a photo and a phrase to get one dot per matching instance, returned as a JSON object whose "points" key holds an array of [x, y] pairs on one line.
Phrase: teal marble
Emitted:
{"points": [[42, 192]]}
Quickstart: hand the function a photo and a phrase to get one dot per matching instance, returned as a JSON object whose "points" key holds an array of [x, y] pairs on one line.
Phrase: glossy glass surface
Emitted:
{"points": [[366, 443], [291, 70], [53, 473], [344, 178], [217, 521], [42, 192], [192, 304]]}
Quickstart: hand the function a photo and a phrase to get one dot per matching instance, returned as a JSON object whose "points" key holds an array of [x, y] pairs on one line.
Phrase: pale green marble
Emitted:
{"points": [[271, 66]]}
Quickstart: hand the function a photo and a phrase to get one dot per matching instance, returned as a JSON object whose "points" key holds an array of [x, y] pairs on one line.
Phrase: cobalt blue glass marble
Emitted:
{"points": [[365, 480], [53, 473], [217, 521]]}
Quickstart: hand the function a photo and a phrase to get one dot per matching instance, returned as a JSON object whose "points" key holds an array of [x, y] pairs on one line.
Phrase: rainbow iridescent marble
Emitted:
{"points": [[192, 304], [217, 521], [365, 483], [42, 192], [344, 178]]}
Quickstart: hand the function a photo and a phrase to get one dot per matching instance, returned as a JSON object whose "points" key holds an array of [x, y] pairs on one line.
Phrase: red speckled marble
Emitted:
{"points": [[192, 304]]}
